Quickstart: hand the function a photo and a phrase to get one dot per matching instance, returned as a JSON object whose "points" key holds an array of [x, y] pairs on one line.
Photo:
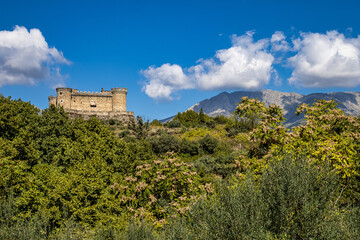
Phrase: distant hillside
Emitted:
{"points": [[224, 103]]}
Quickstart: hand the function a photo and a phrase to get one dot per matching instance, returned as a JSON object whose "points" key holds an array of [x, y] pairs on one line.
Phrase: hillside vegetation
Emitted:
{"points": [[195, 177]]}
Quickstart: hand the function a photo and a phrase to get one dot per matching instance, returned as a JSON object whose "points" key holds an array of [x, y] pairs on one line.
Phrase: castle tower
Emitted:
{"points": [[119, 99], [52, 100], [63, 97]]}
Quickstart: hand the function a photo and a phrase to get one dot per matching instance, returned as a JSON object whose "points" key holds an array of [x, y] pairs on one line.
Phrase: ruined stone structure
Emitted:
{"points": [[104, 105]]}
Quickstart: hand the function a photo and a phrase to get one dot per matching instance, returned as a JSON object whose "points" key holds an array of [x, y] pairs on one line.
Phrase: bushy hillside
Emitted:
{"points": [[195, 177]]}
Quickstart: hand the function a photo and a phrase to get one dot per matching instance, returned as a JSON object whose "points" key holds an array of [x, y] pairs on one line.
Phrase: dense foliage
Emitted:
{"points": [[291, 200], [328, 136], [195, 177]]}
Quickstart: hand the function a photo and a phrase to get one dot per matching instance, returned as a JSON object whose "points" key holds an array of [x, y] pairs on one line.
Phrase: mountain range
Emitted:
{"points": [[225, 103]]}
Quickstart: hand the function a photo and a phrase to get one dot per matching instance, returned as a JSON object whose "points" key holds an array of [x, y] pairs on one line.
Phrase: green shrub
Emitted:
{"points": [[188, 118], [164, 143], [233, 128], [156, 123], [193, 119], [189, 147], [34, 227], [139, 128], [70, 229], [222, 165], [124, 133], [221, 119], [291, 200], [209, 144], [211, 123], [139, 231], [174, 124]]}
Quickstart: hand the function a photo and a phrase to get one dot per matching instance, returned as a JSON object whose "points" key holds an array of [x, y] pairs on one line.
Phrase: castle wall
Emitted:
{"points": [[120, 116], [91, 103]]}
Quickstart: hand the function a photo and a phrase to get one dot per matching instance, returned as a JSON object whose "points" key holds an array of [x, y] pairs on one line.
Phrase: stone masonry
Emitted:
{"points": [[104, 105]]}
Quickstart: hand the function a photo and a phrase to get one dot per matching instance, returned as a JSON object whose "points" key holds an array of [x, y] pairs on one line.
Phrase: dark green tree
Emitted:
{"points": [[202, 116], [140, 128]]}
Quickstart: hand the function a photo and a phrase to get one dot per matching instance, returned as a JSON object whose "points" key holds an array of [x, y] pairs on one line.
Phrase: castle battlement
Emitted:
{"points": [[119, 89], [92, 93], [104, 104]]}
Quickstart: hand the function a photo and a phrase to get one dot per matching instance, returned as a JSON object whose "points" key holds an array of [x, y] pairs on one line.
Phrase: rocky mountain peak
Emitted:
{"points": [[225, 103]]}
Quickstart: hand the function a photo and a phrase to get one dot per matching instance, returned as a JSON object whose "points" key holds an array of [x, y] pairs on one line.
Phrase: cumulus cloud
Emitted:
{"points": [[165, 80], [317, 61], [25, 58], [245, 65], [326, 60], [278, 42]]}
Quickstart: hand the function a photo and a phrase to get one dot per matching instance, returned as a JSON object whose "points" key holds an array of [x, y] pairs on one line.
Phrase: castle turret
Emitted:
{"points": [[52, 100], [63, 97], [119, 99]]}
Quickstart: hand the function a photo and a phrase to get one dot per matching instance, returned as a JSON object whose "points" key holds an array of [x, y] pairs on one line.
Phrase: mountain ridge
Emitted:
{"points": [[225, 103]]}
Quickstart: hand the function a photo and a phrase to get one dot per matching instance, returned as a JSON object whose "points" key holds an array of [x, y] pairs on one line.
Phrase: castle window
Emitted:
{"points": [[92, 104], [61, 101], [60, 93]]}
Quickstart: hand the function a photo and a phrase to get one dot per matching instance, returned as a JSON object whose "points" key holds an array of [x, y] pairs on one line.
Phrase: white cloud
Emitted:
{"points": [[278, 42], [25, 58], [245, 65], [165, 80], [319, 60], [326, 60]]}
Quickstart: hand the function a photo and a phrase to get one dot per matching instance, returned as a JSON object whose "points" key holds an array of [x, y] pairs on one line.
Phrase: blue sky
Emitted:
{"points": [[172, 54]]}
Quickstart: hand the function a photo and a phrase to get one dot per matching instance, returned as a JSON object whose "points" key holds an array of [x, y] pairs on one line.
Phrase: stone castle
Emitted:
{"points": [[104, 105]]}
